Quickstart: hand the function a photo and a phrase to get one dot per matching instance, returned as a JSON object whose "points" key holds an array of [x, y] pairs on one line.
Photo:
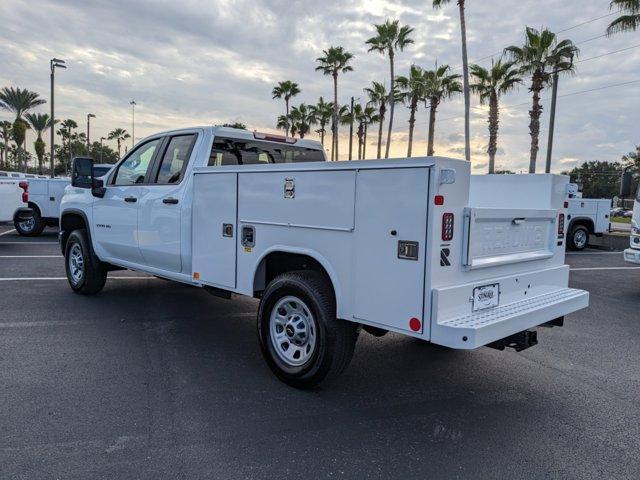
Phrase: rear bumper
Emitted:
{"points": [[632, 255], [526, 301]]}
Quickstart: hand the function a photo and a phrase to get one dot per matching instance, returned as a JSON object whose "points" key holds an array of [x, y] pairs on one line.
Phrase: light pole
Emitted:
{"points": [[101, 140], [552, 113], [53, 63], [351, 131], [133, 122], [89, 117]]}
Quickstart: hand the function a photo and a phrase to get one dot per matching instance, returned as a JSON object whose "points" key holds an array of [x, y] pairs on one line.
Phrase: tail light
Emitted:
{"points": [[561, 225], [25, 191], [447, 227]]}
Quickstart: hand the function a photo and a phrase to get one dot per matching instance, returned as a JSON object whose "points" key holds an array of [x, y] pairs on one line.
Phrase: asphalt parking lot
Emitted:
{"points": [[152, 379]]}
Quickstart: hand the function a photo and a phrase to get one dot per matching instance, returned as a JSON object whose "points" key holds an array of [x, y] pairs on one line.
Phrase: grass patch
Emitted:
{"points": [[621, 219]]}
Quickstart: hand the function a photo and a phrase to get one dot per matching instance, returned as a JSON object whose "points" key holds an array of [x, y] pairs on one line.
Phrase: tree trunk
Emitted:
{"points": [[360, 134], [432, 125], [391, 105], [493, 131], [118, 149], [381, 114], [534, 114], [412, 123], [364, 141], [465, 80], [286, 103], [334, 127], [322, 135]]}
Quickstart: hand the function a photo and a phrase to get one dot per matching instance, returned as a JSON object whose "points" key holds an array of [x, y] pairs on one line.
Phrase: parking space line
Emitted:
{"points": [[28, 243], [30, 256], [585, 269], [594, 253], [8, 231], [24, 279]]}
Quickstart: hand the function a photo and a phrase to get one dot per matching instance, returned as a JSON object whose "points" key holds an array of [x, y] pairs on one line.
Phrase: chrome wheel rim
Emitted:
{"points": [[27, 225], [76, 264], [580, 239], [293, 331]]}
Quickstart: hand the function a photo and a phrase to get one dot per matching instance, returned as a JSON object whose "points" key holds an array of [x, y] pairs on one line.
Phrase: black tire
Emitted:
{"points": [[335, 339], [31, 227], [94, 273], [579, 238]]}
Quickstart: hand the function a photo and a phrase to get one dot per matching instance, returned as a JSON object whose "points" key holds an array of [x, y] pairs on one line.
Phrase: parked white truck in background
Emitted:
{"points": [[14, 195], [45, 195], [632, 254], [415, 246], [586, 216]]}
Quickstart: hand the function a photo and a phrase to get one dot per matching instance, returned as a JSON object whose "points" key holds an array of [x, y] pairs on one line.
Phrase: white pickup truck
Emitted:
{"points": [[45, 195], [632, 254], [586, 216], [414, 246], [14, 195]]}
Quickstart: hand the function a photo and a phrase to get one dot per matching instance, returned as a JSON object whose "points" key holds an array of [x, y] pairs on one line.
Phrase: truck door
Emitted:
{"points": [[161, 206], [115, 216]]}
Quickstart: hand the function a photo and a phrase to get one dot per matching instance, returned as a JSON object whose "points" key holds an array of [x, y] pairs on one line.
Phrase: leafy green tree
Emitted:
{"points": [[323, 112], [540, 56], [412, 91], [335, 60], [390, 38], [440, 84], [303, 118], [465, 73], [19, 101], [238, 125], [5, 134], [40, 122], [119, 135], [490, 85], [598, 179], [286, 90], [379, 98], [628, 22], [283, 123]]}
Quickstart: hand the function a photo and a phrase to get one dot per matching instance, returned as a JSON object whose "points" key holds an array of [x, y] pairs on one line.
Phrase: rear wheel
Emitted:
{"points": [[579, 237], [30, 227], [301, 339], [85, 273]]}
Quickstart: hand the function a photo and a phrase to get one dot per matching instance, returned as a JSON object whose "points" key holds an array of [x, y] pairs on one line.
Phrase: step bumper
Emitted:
{"points": [[486, 326], [632, 255]]}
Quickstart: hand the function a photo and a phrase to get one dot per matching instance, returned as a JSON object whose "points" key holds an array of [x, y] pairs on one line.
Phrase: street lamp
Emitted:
{"points": [[53, 63], [101, 140], [133, 122], [89, 117], [552, 114]]}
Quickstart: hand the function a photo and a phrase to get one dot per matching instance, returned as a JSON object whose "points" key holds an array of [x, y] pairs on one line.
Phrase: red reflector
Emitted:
{"points": [[447, 227], [25, 194], [415, 325], [438, 200], [561, 225], [24, 185]]}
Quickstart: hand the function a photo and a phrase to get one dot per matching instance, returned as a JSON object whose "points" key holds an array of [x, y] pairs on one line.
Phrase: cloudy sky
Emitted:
{"points": [[201, 62]]}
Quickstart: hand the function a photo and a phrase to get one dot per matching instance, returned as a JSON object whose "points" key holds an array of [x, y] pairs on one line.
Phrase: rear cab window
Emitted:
{"points": [[235, 151], [174, 160]]}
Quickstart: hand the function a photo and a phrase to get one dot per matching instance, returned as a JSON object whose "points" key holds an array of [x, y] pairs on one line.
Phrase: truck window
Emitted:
{"points": [[638, 194], [175, 159], [228, 151], [135, 168]]}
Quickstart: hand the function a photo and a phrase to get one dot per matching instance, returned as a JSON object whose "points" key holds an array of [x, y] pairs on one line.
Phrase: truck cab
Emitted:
{"points": [[632, 254]]}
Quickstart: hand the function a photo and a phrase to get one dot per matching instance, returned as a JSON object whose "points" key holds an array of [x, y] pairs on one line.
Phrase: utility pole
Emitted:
{"points": [[552, 113], [53, 63], [89, 117], [133, 122], [351, 132]]}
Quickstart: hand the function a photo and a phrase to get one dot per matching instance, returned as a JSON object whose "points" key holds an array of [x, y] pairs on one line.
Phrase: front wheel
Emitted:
{"points": [[30, 227], [579, 238], [85, 273], [301, 339]]}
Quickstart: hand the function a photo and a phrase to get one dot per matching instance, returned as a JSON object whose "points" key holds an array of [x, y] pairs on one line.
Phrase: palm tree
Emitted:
{"points": [[378, 97], [303, 118], [465, 73], [66, 133], [390, 38], [40, 122], [323, 112], [489, 85], [286, 90], [628, 22], [335, 60], [370, 117], [412, 90], [19, 101], [440, 84], [540, 56], [5, 133], [119, 135], [283, 123]]}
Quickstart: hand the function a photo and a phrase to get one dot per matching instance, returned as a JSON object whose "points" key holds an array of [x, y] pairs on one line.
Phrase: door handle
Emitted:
{"points": [[130, 199], [170, 201]]}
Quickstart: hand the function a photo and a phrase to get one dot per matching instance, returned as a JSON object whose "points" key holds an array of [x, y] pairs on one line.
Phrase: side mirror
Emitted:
{"points": [[82, 172], [625, 184]]}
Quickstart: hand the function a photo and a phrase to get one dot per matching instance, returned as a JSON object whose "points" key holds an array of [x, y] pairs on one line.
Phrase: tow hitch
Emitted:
{"points": [[518, 341]]}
